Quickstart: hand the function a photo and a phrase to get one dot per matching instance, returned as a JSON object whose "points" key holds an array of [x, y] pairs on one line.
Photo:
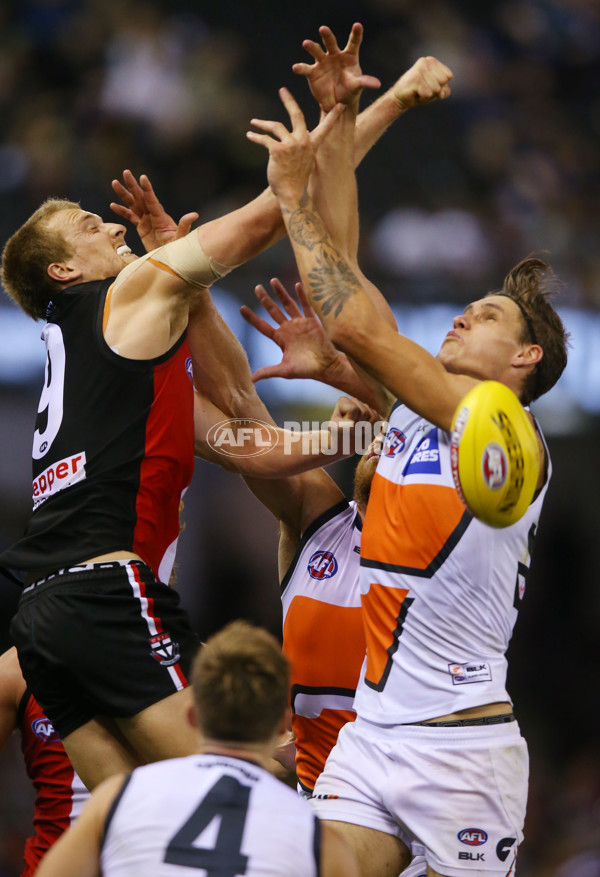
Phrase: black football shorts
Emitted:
{"points": [[102, 639]]}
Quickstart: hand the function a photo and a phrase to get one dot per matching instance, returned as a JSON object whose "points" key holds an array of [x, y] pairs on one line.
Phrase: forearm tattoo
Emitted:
{"points": [[331, 279]]}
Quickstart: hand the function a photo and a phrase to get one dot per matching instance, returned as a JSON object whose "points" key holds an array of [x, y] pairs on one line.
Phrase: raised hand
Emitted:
{"points": [[427, 80], [307, 350], [291, 153], [335, 76], [141, 207]]}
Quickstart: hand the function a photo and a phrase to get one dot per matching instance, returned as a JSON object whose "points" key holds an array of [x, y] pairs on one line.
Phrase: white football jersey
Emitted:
{"points": [[209, 814], [440, 589], [323, 634]]}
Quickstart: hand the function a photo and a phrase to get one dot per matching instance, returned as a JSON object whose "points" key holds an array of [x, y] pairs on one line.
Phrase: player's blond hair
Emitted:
{"points": [[27, 255], [240, 680]]}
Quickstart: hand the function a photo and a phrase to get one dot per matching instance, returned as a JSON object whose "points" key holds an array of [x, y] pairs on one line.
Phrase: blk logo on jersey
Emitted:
{"points": [[426, 456], [474, 837], [44, 729], [164, 650], [322, 565], [474, 671], [494, 466], [393, 443]]}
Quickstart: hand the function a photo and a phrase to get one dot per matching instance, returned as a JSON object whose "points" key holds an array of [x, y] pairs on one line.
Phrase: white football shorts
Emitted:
{"points": [[455, 795]]}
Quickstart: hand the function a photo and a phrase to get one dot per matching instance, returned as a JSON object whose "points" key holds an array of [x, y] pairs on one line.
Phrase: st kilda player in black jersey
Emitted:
{"points": [[103, 643]]}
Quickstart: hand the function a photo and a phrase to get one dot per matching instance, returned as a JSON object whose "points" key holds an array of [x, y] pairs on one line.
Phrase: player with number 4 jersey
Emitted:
{"points": [[219, 811]]}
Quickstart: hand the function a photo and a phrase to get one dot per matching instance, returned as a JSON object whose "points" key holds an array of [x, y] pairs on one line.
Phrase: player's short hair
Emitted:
{"points": [[241, 681], [27, 255], [531, 284]]}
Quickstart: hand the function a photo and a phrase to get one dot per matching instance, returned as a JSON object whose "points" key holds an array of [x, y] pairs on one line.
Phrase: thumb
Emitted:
{"points": [[318, 134], [184, 225], [269, 371]]}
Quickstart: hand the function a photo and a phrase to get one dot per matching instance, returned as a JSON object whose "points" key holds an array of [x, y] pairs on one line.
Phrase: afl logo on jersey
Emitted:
{"points": [[474, 837], [189, 369], [494, 466], [322, 565], [44, 729], [394, 442]]}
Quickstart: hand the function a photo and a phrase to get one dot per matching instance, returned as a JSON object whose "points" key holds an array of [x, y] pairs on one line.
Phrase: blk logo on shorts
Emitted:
{"points": [[322, 565], [164, 650]]}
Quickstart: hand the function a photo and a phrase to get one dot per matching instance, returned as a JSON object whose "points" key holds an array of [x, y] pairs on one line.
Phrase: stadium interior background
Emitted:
{"points": [[451, 198]]}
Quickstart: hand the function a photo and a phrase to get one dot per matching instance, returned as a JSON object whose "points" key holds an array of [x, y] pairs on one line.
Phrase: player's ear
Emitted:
{"points": [[191, 716], [63, 272], [530, 354]]}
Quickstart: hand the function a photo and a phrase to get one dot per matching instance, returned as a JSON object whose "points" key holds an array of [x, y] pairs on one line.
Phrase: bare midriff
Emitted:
{"points": [[475, 712]]}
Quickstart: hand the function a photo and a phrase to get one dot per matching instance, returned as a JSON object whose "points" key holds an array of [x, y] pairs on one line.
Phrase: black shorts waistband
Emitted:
{"points": [[467, 723], [41, 577]]}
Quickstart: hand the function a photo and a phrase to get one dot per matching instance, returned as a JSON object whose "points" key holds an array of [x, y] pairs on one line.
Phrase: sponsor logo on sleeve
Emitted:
{"points": [[57, 476], [322, 565], [473, 671], [393, 443], [426, 456]]}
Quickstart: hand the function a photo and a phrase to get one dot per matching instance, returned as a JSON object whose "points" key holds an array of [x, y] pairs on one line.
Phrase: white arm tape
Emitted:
{"points": [[186, 258]]}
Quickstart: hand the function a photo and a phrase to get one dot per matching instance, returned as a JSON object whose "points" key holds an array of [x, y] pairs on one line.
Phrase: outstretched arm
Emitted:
{"points": [[336, 75], [260, 449], [307, 349], [407, 370], [229, 240], [142, 208]]}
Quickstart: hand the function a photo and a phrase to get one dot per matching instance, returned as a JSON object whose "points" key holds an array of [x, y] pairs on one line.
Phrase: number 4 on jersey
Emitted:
{"points": [[227, 800]]}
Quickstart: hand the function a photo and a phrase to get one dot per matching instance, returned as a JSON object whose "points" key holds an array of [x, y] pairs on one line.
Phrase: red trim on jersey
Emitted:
{"points": [[168, 464], [52, 774]]}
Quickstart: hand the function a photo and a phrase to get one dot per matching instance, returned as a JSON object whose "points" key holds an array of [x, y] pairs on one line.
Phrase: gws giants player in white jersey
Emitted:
{"points": [[219, 811], [435, 760], [319, 550]]}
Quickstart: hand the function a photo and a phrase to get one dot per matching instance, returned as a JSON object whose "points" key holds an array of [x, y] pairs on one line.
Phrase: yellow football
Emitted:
{"points": [[495, 456]]}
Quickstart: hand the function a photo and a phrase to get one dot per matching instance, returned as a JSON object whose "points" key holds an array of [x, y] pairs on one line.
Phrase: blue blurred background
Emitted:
{"points": [[452, 196]]}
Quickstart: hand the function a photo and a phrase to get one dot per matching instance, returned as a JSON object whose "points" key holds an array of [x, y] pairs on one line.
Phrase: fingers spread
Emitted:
{"points": [[355, 38], [285, 298], [329, 40], [257, 322]]}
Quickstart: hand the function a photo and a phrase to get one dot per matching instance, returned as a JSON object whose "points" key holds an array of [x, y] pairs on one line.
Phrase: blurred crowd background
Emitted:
{"points": [[451, 198]]}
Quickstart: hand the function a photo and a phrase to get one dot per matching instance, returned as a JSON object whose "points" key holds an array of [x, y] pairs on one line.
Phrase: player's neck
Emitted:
{"points": [[259, 753]]}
